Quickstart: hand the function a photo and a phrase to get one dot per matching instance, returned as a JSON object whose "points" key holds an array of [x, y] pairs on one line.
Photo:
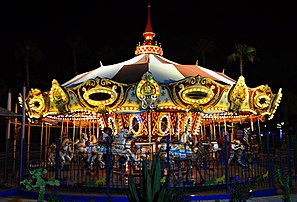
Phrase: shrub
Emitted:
{"points": [[37, 182], [154, 188], [241, 191]]}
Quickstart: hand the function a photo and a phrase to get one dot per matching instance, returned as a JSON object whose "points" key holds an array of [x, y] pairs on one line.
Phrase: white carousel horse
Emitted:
{"points": [[186, 137], [51, 155], [121, 145], [98, 151], [65, 152], [238, 147], [213, 149], [80, 145]]}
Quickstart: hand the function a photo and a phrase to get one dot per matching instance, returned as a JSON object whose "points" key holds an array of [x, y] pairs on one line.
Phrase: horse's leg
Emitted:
{"points": [[99, 158], [202, 180], [239, 154], [61, 154], [232, 153], [68, 158], [132, 156]]}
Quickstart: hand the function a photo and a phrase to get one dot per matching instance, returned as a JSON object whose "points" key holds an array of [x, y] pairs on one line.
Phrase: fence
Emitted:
{"points": [[211, 173]]}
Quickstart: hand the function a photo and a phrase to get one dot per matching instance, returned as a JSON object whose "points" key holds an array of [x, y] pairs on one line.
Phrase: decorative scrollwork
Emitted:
{"points": [[59, 97], [237, 95], [35, 103], [148, 91]]}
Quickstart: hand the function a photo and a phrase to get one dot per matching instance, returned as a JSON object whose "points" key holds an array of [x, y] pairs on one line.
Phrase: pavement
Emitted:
{"points": [[276, 198], [15, 195]]}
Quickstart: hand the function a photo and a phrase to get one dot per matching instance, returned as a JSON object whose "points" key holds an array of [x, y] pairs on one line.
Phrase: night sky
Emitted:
{"points": [[110, 30]]}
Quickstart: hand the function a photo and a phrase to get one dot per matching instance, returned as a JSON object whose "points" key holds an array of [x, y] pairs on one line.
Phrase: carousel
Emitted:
{"points": [[152, 97]]}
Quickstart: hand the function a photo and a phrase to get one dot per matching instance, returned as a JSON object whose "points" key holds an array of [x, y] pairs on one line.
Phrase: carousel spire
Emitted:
{"points": [[148, 30], [149, 45]]}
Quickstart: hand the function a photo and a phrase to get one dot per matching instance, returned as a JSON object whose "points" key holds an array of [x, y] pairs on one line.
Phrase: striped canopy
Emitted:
{"points": [[162, 69]]}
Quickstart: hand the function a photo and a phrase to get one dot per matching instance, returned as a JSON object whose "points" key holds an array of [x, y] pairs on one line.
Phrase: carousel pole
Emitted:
{"points": [[61, 131], [149, 127], [226, 145], [80, 128], [15, 138], [259, 133], [67, 126], [49, 135], [252, 124], [201, 132], [225, 124], [7, 135], [23, 134], [73, 134], [97, 120], [28, 143], [41, 140], [232, 133], [210, 129], [93, 128], [45, 140], [219, 125], [170, 127], [204, 129], [214, 129]]}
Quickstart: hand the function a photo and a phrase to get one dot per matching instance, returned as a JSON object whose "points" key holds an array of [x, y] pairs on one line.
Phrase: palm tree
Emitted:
{"points": [[204, 46], [30, 53], [106, 53], [244, 53]]}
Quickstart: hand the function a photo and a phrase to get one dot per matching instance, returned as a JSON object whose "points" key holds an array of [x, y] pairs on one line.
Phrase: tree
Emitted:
{"points": [[30, 53], [204, 46], [107, 54], [244, 53], [78, 45]]}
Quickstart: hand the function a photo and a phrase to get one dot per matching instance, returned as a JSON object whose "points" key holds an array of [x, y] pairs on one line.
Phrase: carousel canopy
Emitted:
{"points": [[162, 69]]}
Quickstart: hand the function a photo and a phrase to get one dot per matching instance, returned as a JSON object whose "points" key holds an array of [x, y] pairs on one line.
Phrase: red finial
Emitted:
{"points": [[149, 45], [148, 24], [148, 34]]}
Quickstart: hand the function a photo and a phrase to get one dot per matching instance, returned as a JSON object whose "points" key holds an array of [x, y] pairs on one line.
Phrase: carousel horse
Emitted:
{"points": [[89, 151], [80, 144], [213, 150], [121, 146], [98, 151], [194, 155], [65, 152], [200, 160], [238, 147], [93, 139], [186, 138], [179, 150], [52, 155]]}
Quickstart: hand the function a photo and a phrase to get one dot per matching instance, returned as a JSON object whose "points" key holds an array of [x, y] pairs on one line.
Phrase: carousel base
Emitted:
{"points": [[22, 195]]}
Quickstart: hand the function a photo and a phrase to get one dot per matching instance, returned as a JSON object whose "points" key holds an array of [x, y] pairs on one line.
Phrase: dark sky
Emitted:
{"points": [[117, 26]]}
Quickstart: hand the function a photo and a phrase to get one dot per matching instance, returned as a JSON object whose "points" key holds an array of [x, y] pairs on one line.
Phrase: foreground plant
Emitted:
{"points": [[285, 185], [241, 191], [154, 188], [37, 182]]}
